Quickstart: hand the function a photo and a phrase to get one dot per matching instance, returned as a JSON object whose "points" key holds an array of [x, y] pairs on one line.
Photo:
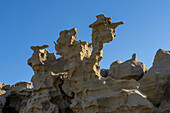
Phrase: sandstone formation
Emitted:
{"points": [[3, 92], [155, 83], [15, 98], [92, 93], [130, 69], [47, 93], [43, 61], [74, 83]]}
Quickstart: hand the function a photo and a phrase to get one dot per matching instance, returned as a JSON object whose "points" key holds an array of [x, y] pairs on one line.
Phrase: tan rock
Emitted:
{"points": [[47, 96], [20, 86], [155, 83], [73, 83], [93, 93], [4, 86], [68, 47], [3, 94], [15, 97], [130, 69], [43, 61]]}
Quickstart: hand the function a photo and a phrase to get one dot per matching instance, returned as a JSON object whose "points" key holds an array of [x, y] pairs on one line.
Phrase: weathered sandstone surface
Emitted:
{"points": [[15, 97], [130, 69], [156, 82], [74, 83]]}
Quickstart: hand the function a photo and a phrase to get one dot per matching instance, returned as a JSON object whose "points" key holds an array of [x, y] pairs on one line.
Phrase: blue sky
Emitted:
{"points": [[25, 23]]}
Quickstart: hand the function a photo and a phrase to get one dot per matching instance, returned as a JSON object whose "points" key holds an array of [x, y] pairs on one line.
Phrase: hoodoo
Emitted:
{"points": [[74, 83]]}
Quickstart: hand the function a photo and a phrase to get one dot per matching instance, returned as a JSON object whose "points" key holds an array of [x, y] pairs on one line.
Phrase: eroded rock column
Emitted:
{"points": [[92, 93]]}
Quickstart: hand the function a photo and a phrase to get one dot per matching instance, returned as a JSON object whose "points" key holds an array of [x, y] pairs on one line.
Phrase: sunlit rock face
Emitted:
{"points": [[92, 92], [74, 83], [43, 61], [130, 69], [49, 83]]}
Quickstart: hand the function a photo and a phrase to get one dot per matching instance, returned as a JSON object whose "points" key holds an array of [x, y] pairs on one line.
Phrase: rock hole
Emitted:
{"points": [[7, 108], [157, 105], [42, 55], [46, 106]]}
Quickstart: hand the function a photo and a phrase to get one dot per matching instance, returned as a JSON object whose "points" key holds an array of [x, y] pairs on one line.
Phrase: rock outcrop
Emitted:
{"points": [[4, 88], [155, 83], [74, 83], [43, 61], [48, 94], [92, 92], [130, 69], [15, 97]]}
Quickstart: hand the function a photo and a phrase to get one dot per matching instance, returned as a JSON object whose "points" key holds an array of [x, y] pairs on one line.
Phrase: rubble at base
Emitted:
{"points": [[74, 83]]}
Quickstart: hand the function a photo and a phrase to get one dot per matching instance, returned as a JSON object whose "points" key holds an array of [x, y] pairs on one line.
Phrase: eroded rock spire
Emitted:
{"points": [[73, 84]]}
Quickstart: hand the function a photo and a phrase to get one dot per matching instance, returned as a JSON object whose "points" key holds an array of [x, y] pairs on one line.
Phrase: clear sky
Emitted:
{"points": [[25, 23]]}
